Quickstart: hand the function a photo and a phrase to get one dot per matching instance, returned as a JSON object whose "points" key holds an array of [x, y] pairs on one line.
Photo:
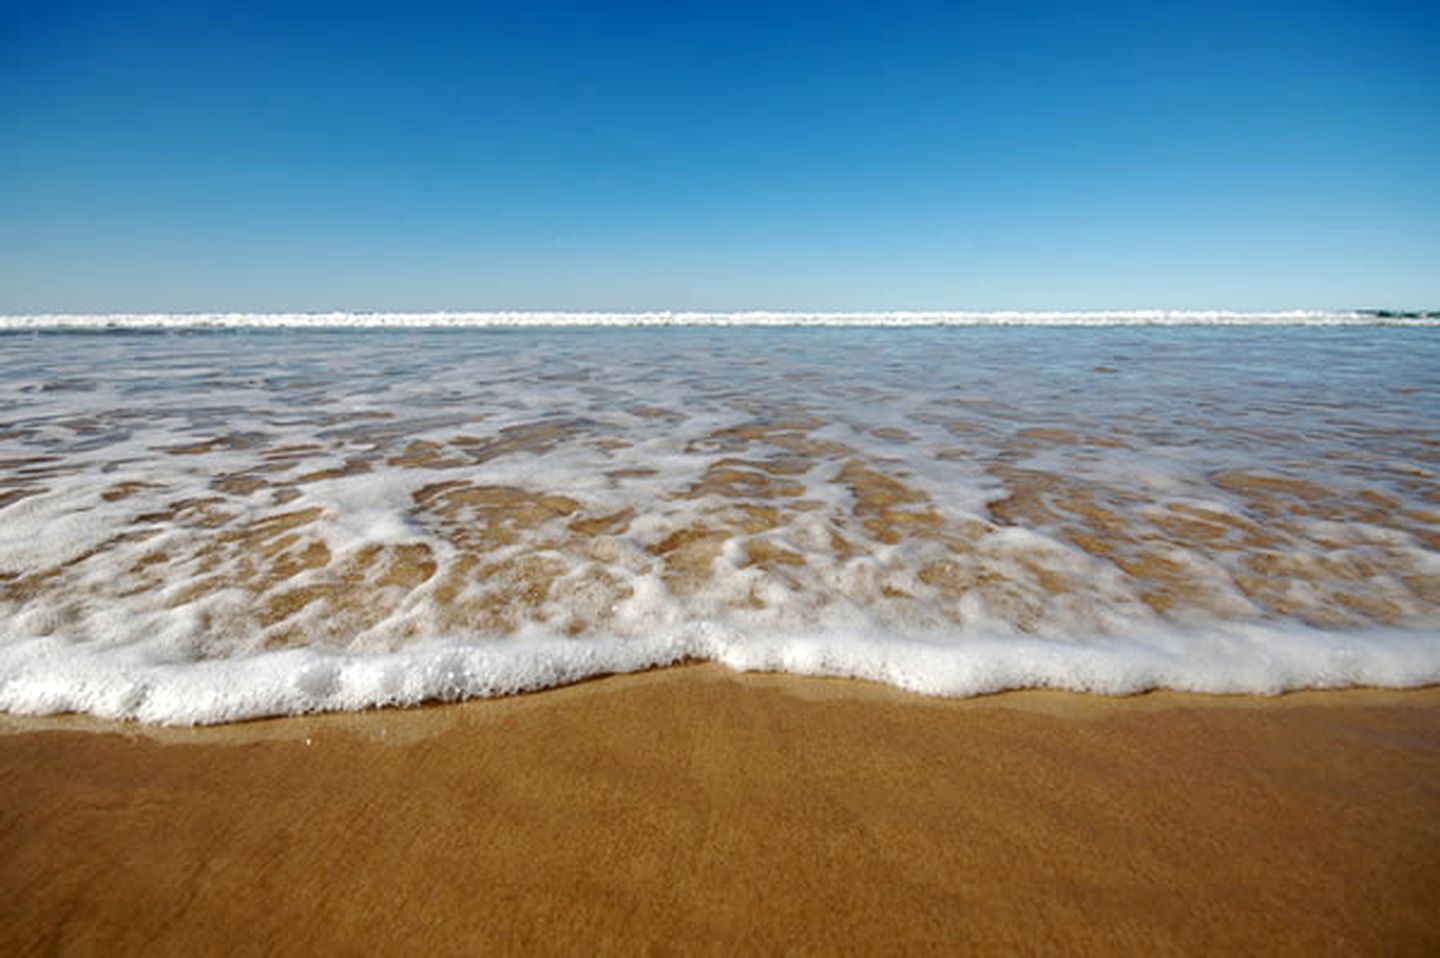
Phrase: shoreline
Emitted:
{"points": [[198, 535], [693, 806], [433, 716]]}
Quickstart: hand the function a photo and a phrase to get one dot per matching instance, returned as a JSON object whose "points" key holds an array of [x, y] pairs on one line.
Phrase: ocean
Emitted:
{"points": [[212, 518]]}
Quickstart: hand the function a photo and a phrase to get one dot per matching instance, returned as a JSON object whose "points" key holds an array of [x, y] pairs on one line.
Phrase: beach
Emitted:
{"points": [[850, 638], [699, 809], [954, 479]]}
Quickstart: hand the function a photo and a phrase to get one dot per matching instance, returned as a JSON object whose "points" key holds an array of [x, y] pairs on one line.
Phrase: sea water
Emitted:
{"points": [[270, 516]]}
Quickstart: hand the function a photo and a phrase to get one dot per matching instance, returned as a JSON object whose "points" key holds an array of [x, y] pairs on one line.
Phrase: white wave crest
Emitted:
{"points": [[356, 320]]}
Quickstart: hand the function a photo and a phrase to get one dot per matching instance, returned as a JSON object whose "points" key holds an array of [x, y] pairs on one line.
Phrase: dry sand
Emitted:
{"points": [[696, 809]]}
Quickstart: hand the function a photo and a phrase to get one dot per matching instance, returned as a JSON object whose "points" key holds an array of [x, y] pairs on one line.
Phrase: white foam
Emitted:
{"points": [[431, 320], [109, 632], [45, 676], [42, 532]]}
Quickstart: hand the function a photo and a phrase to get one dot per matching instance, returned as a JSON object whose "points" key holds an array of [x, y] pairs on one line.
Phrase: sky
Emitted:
{"points": [[537, 155]]}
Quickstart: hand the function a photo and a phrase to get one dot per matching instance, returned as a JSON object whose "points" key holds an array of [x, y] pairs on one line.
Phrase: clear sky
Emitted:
{"points": [[882, 155]]}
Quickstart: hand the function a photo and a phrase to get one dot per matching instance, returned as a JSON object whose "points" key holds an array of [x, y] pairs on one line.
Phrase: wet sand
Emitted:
{"points": [[698, 809]]}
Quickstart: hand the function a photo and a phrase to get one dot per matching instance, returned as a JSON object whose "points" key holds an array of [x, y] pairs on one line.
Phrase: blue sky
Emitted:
{"points": [[538, 155]]}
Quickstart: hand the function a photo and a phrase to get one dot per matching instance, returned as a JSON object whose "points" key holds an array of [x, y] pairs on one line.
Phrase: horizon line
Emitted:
{"points": [[341, 319]]}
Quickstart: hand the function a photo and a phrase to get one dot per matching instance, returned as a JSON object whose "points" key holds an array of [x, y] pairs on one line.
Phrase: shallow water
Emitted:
{"points": [[197, 526]]}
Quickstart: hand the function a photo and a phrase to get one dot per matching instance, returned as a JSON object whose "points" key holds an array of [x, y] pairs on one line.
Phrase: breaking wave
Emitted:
{"points": [[365, 320]]}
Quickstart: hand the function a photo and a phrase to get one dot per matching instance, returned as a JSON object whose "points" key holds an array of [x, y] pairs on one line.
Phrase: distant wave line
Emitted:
{"points": [[423, 320]]}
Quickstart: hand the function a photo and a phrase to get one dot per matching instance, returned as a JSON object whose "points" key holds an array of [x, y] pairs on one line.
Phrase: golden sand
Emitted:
{"points": [[696, 809]]}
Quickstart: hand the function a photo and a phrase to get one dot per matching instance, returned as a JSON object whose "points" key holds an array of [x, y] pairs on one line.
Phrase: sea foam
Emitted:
{"points": [[47, 676], [232, 524]]}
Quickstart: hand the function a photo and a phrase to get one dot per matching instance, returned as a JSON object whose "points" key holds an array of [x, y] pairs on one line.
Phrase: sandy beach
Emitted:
{"points": [[700, 809], [941, 479]]}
